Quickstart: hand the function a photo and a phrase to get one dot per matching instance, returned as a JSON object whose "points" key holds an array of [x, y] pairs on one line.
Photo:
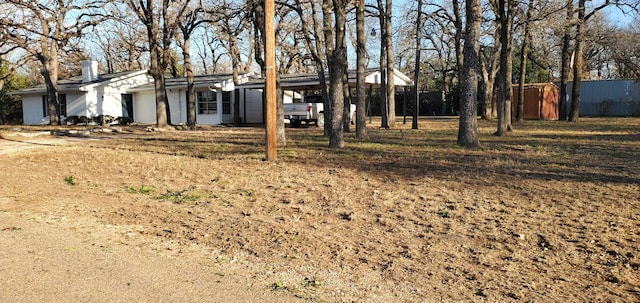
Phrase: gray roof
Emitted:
{"points": [[203, 81], [74, 84], [309, 81]]}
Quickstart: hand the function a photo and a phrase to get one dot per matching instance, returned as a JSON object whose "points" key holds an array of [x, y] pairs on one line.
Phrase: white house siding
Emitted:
{"points": [[183, 107], [32, 110], [109, 95], [76, 105], [175, 97], [251, 108], [93, 104], [144, 107], [208, 119]]}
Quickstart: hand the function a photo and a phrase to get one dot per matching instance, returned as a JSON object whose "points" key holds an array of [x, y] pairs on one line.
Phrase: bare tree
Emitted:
{"points": [[312, 31], [44, 30], [524, 49], [505, 16], [468, 127], [384, 102], [624, 49], [161, 22], [230, 20], [566, 60], [192, 19], [337, 69], [391, 88], [457, 21], [361, 51], [120, 41], [5, 73], [578, 64], [416, 72], [489, 65]]}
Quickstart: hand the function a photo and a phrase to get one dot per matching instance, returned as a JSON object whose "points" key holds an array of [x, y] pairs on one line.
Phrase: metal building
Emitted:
{"points": [[608, 98]]}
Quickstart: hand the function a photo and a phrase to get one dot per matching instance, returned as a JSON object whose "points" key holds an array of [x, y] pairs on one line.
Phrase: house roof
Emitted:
{"points": [[312, 81], [75, 84], [215, 81]]}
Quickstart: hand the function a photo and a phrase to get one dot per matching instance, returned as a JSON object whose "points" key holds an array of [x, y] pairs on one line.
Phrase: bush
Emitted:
{"points": [[83, 120], [104, 119], [72, 120], [123, 120]]}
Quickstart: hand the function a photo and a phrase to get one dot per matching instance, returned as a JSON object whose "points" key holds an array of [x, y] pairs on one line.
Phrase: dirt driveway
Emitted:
{"points": [[54, 256], [547, 214]]}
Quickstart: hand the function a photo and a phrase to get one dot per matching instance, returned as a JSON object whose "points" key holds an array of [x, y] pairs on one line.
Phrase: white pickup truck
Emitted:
{"points": [[310, 112]]}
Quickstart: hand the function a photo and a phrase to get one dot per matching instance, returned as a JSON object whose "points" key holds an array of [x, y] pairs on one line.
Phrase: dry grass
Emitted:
{"points": [[549, 213]]}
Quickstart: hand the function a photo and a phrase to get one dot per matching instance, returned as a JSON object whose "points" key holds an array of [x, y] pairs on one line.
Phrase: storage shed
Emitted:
{"points": [[608, 98], [540, 101]]}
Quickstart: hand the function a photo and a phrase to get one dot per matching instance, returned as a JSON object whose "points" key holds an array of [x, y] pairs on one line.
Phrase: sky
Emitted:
{"points": [[615, 15]]}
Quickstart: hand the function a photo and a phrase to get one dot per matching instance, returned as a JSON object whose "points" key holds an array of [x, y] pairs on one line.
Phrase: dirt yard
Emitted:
{"points": [[550, 213]]}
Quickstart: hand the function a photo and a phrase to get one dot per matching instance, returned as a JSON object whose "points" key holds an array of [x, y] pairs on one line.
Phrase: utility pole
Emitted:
{"points": [[270, 80]]}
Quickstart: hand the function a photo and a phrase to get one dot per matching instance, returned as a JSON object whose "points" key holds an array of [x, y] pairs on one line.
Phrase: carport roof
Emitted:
{"points": [[312, 81]]}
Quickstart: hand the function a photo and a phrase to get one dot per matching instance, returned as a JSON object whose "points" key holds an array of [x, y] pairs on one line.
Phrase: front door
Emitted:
{"points": [[127, 106]]}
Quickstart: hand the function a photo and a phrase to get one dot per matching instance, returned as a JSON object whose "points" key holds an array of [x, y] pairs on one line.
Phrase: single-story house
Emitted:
{"points": [[215, 96], [89, 95], [131, 94]]}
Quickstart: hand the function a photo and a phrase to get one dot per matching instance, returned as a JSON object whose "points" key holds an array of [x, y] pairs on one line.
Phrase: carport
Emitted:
{"points": [[298, 86]]}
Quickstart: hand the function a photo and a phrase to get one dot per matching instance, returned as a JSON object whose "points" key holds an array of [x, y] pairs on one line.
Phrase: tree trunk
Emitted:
{"points": [[281, 136], [235, 63], [346, 118], [361, 51], [391, 89], [155, 69], [565, 71], [457, 22], [494, 76], [1, 98], [504, 80], [416, 71], [337, 71], [489, 79], [50, 74], [327, 28], [382, 91], [468, 127], [523, 62], [578, 63], [191, 94], [161, 101]]}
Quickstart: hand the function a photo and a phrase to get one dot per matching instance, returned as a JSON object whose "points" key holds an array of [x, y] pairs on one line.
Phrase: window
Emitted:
{"points": [[226, 103], [62, 98], [62, 101], [45, 112], [207, 103]]}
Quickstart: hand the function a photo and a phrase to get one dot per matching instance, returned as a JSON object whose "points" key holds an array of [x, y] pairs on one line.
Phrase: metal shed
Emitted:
{"points": [[540, 101], [608, 98]]}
